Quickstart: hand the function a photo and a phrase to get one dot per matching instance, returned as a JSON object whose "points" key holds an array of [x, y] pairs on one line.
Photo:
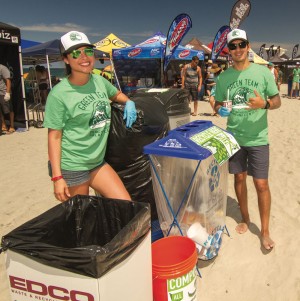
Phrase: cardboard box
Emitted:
{"points": [[131, 280]]}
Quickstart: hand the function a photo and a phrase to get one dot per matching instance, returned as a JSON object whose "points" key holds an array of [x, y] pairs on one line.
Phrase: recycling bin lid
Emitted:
{"points": [[178, 143]]}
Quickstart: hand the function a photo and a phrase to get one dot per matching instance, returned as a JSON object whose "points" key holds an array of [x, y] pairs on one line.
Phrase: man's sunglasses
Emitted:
{"points": [[241, 45], [75, 54]]}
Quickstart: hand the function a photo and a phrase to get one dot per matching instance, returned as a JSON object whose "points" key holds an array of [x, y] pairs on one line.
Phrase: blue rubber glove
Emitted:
{"points": [[224, 112], [129, 113]]}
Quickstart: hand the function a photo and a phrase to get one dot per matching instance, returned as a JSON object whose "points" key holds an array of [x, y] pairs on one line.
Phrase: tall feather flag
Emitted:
{"points": [[240, 10], [219, 41], [295, 51], [261, 50], [178, 29], [270, 52]]}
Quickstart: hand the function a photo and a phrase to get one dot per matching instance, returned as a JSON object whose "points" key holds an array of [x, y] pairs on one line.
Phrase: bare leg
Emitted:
{"points": [[264, 204], [240, 187], [195, 107], [79, 189], [12, 122], [107, 182]]}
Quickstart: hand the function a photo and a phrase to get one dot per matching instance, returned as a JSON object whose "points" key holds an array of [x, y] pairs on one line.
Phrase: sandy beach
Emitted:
{"points": [[242, 270]]}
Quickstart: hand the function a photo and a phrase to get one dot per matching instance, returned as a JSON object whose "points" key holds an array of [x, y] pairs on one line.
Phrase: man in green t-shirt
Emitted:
{"points": [[295, 84], [253, 92]]}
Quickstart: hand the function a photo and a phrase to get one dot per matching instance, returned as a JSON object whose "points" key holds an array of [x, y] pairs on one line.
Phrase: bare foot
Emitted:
{"points": [[241, 228], [267, 242]]}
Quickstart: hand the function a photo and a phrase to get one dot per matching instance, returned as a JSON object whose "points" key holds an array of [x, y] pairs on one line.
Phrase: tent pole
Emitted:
{"points": [[23, 88], [49, 75], [116, 78]]}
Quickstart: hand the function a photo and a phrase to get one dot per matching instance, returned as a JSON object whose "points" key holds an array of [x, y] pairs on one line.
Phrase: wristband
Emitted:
{"points": [[54, 179]]}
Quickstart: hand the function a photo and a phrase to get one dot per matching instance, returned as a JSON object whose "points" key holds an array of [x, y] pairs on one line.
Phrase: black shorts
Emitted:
{"points": [[5, 106], [253, 159]]}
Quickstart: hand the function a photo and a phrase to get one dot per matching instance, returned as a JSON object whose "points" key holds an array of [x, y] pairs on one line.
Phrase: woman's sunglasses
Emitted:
{"points": [[75, 54], [241, 45]]}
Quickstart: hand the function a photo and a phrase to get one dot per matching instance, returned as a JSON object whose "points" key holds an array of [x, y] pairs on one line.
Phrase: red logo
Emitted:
{"points": [[55, 292], [134, 52], [179, 31], [150, 41], [184, 53]]}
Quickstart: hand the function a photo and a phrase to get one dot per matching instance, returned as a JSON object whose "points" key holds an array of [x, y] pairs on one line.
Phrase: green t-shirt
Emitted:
{"points": [[83, 114], [296, 74], [249, 127]]}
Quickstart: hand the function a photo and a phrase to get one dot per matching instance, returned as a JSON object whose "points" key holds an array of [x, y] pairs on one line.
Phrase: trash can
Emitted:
{"points": [[88, 248], [189, 173], [174, 100]]}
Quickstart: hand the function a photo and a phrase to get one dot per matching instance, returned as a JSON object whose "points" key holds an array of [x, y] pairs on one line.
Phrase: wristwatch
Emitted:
{"points": [[267, 106]]}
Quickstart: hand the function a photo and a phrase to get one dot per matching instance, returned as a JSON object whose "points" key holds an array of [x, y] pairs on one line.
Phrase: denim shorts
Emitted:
{"points": [[74, 178], [253, 159]]}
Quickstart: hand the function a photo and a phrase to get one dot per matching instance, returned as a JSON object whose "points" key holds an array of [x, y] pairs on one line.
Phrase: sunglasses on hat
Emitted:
{"points": [[241, 45], [75, 54]]}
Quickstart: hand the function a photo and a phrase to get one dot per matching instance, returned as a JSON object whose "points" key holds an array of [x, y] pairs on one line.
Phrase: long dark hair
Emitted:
{"points": [[68, 68]]}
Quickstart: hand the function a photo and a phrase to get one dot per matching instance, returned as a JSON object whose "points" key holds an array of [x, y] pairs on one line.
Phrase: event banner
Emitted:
{"points": [[261, 50], [219, 42], [178, 29], [239, 12], [295, 51]]}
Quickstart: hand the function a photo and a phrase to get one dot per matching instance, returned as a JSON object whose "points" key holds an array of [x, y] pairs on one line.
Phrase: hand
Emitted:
{"points": [[129, 113], [61, 190], [7, 96], [224, 112], [256, 102]]}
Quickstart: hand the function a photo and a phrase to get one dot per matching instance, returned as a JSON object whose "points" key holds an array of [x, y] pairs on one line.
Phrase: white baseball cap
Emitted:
{"points": [[237, 34], [74, 40]]}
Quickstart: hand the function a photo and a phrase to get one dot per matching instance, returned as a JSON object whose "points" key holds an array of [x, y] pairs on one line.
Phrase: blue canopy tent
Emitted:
{"points": [[27, 43], [143, 63]]}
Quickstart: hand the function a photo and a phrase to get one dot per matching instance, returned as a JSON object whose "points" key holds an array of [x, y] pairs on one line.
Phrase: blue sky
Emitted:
{"points": [[134, 21]]}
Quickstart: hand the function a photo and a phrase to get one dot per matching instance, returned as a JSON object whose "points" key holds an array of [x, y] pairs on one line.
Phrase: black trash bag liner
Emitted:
{"points": [[125, 146], [175, 101], [87, 235]]}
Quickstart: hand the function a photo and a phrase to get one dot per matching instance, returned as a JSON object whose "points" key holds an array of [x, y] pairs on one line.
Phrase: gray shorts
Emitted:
{"points": [[193, 92], [5, 106], [74, 178], [253, 159]]}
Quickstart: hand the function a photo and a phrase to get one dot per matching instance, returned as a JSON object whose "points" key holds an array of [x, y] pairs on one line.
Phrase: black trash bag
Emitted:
{"points": [[125, 146], [87, 235]]}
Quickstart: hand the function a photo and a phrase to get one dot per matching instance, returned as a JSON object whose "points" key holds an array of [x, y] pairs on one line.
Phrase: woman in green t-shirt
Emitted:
{"points": [[78, 115]]}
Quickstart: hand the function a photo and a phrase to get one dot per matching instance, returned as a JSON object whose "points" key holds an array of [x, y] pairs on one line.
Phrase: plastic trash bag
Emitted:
{"points": [[125, 146], [88, 235]]}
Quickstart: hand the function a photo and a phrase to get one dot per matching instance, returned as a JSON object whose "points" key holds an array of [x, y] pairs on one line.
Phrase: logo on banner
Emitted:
{"points": [[154, 52], [239, 12], [135, 52], [184, 53], [178, 33]]}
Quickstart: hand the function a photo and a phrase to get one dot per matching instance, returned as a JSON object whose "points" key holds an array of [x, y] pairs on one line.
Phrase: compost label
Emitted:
{"points": [[183, 287]]}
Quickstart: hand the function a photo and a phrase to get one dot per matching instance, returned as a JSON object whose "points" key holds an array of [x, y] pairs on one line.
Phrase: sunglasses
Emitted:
{"points": [[241, 45], [75, 54]]}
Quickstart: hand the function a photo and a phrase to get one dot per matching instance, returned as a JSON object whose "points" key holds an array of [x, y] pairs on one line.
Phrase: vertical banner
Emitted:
{"points": [[219, 42], [178, 29], [261, 50], [239, 12], [295, 51]]}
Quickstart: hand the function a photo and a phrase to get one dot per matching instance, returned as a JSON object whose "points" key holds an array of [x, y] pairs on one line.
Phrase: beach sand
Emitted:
{"points": [[242, 270]]}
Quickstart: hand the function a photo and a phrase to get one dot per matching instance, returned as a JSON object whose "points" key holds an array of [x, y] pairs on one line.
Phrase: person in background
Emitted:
{"points": [[273, 71], [43, 82], [254, 93], [209, 78], [279, 76], [5, 100], [192, 81], [295, 84], [216, 70], [77, 116]]}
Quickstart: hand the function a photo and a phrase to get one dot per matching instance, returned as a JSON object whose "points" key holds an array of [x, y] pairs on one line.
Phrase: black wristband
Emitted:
{"points": [[267, 106]]}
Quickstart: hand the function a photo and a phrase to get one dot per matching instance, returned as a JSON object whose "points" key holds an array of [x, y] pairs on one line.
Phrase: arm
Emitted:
{"points": [[61, 190], [183, 77], [8, 85], [199, 79]]}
